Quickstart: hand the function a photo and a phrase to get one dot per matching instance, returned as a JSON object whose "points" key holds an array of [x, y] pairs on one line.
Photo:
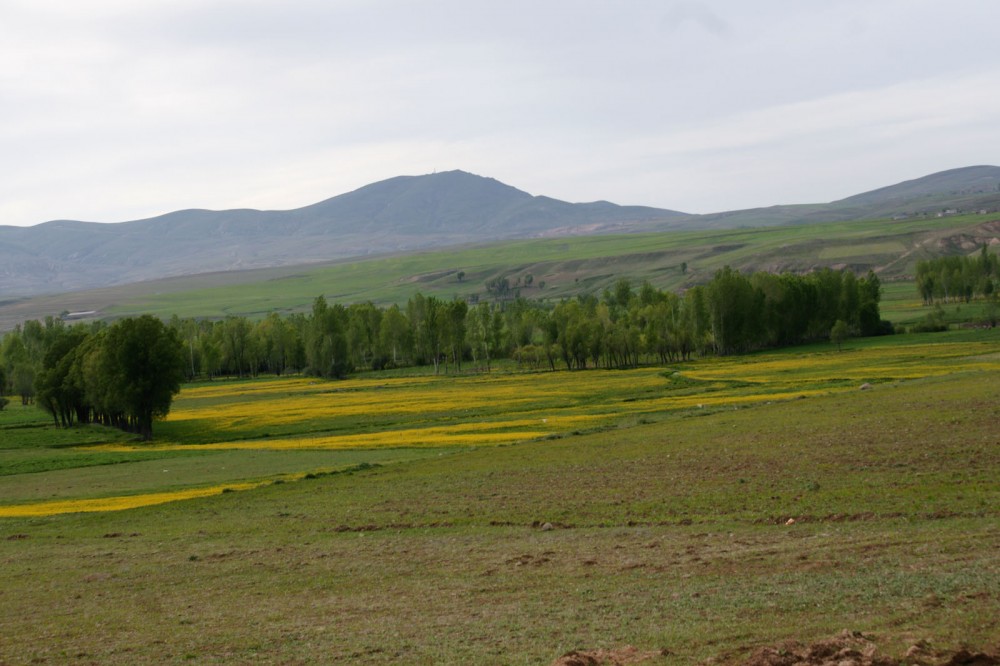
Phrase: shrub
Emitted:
{"points": [[932, 323]]}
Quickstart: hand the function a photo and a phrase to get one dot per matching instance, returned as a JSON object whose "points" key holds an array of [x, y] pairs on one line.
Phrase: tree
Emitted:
{"points": [[735, 308], [326, 345], [484, 324], [839, 333], [187, 330], [236, 343], [144, 362], [210, 348], [364, 321], [453, 330], [56, 392], [395, 336]]}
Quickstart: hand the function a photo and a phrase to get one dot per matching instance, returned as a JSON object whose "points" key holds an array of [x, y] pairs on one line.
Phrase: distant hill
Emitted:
{"points": [[396, 215], [399, 215], [967, 189]]}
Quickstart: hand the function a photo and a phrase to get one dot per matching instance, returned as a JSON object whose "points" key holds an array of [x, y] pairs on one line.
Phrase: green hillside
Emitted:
{"points": [[559, 267]]}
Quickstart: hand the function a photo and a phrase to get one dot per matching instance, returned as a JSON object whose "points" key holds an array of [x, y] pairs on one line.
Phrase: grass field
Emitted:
{"points": [[669, 490]]}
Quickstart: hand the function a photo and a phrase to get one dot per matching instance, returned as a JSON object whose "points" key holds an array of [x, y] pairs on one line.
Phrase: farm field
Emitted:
{"points": [[390, 519]]}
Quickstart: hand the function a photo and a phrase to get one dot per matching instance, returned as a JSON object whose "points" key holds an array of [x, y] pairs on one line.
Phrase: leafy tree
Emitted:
{"points": [[143, 363], [188, 331], [326, 345], [395, 335], [236, 341], [18, 366], [453, 330], [734, 306], [277, 341], [210, 348], [364, 321], [55, 391]]}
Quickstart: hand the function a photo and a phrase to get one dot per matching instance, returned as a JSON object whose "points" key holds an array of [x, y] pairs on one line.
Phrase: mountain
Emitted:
{"points": [[957, 188], [403, 214], [966, 189], [396, 215]]}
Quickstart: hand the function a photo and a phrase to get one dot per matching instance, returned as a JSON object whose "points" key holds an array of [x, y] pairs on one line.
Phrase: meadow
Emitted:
{"points": [[703, 509]]}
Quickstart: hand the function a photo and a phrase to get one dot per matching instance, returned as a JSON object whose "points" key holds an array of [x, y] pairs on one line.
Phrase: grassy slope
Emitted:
{"points": [[669, 534], [567, 266]]}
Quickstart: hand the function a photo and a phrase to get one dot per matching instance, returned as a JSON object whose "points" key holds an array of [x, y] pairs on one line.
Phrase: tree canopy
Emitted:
{"points": [[123, 375]]}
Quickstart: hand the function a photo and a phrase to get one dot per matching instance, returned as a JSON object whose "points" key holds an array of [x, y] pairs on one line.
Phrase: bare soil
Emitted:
{"points": [[854, 649], [846, 649]]}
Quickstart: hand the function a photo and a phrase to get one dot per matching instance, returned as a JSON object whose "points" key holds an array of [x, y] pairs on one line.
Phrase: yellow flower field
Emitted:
{"points": [[296, 414], [478, 410], [116, 503]]}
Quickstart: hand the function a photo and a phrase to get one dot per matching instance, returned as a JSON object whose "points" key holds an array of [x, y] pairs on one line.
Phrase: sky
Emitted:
{"points": [[114, 110]]}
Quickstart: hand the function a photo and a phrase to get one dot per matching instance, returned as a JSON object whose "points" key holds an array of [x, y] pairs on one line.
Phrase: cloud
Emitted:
{"points": [[111, 110]]}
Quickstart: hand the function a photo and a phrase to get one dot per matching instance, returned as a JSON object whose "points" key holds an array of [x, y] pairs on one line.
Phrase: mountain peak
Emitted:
{"points": [[399, 214]]}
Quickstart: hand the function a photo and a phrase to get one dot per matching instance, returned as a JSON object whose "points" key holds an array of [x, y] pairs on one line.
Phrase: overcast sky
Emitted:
{"points": [[113, 110]]}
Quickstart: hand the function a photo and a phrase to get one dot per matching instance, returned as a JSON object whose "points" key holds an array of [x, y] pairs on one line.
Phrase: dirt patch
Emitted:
{"points": [[855, 649], [620, 657], [524, 560]]}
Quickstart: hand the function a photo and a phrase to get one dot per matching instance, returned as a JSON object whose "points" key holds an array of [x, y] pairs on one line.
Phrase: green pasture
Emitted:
{"points": [[671, 535]]}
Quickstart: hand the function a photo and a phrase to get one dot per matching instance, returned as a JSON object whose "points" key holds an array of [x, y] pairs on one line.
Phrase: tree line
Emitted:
{"points": [[958, 278], [624, 327], [126, 373]]}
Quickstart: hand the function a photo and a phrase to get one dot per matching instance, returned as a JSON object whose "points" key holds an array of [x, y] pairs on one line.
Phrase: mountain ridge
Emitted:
{"points": [[400, 214]]}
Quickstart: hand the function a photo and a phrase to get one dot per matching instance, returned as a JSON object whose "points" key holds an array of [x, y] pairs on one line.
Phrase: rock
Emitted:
{"points": [[866, 386], [790, 521], [547, 527]]}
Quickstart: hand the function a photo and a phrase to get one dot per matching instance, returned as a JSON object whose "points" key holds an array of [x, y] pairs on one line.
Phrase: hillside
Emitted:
{"points": [[560, 268], [968, 189], [403, 215]]}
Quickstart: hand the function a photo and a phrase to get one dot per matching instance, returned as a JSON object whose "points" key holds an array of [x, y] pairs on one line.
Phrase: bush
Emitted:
{"points": [[932, 323], [3, 402]]}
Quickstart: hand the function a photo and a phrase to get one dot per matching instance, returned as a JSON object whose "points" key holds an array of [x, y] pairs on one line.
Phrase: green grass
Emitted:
{"points": [[668, 534]]}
